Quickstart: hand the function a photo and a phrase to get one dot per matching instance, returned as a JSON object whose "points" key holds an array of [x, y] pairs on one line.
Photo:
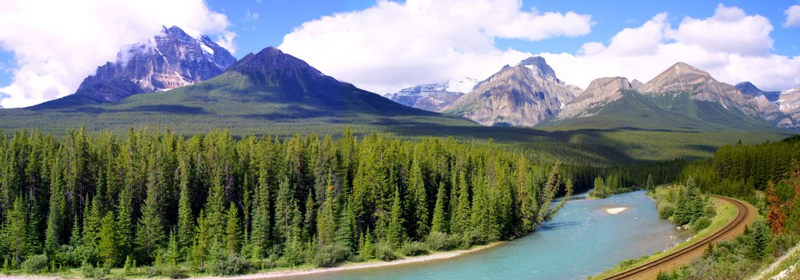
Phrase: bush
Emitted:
{"points": [[701, 224], [35, 264], [441, 241], [414, 249], [330, 255], [710, 211], [384, 252], [472, 238], [666, 210], [233, 264]]}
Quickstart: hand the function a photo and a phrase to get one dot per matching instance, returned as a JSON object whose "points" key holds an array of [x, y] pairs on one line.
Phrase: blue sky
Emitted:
{"points": [[383, 46], [279, 17]]}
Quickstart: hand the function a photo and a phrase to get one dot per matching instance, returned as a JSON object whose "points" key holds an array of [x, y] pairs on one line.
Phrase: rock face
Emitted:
{"points": [[749, 89], [170, 60], [600, 92], [789, 103], [520, 95], [432, 97], [683, 78]]}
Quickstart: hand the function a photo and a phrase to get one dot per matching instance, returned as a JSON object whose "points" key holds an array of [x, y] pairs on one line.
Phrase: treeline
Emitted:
{"points": [[221, 205], [768, 176]]}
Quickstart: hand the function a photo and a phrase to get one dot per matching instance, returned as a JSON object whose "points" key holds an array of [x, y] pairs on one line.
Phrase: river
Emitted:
{"points": [[582, 240]]}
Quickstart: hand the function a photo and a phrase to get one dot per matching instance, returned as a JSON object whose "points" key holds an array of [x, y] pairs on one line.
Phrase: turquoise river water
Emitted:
{"points": [[582, 240]]}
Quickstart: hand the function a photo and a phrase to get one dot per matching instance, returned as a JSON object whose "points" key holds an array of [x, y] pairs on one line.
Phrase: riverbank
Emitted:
{"points": [[300, 272], [726, 212]]}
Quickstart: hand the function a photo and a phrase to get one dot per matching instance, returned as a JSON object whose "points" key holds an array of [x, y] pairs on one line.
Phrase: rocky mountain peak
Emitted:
{"points": [[600, 92], [169, 60], [522, 95], [749, 89], [539, 67]]}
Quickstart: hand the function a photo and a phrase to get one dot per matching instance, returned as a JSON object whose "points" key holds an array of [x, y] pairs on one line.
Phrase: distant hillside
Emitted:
{"points": [[266, 90], [680, 98]]}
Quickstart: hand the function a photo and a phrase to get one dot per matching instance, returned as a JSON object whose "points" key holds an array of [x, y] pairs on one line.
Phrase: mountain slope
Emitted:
{"points": [[520, 95], [268, 90], [170, 60], [789, 102], [748, 88], [680, 98]]}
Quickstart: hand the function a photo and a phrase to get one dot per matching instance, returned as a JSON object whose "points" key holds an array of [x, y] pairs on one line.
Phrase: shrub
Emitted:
{"points": [[384, 252], [710, 211], [233, 264], [35, 263], [414, 249], [441, 241], [472, 238], [330, 255], [666, 210], [701, 224]]}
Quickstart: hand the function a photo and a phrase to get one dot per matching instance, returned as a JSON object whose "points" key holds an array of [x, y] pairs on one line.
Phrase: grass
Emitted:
{"points": [[726, 212], [786, 263]]}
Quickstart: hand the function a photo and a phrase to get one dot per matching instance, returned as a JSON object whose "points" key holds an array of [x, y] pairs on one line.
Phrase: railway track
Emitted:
{"points": [[703, 243]]}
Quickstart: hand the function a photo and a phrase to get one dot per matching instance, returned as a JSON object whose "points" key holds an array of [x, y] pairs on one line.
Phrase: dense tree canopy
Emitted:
{"points": [[153, 197]]}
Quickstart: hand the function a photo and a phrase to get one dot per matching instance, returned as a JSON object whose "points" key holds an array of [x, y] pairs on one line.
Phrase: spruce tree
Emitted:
{"points": [[419, 200], [16, 222], [107, 246], [124, 223], [439, 223], [395, 232], [232, 230], [150, 232]]}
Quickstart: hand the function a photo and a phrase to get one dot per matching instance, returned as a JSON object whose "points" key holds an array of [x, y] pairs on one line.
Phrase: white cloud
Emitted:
{"points": [[392, 45], [57, 46], [731, 45], [792, 16]]}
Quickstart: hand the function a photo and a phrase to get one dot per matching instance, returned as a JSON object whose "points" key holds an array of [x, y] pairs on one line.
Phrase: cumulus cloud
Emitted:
{"points": [[731, 45], [392, 45], [58, 43], [792, 16]]}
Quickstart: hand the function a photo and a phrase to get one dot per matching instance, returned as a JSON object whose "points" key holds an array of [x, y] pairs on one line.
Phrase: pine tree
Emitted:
{"points": [[650, 184], [261, 230], [395, 231], [16, 222], [150, 232], [56, 220], [367, 247], [124, 223], [439, 223], [460, 220], [107, 246], [344, 230], [232, 230], [199, 252], [419, 201], [173, 254], [326, 226]]}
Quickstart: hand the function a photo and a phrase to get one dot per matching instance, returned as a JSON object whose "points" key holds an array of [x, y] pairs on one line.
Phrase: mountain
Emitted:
{"points": [[748, 88], [599, 93], [268, 92], [170, 60], [789, 103], [680, 98], [433, 97], [520, 95]]}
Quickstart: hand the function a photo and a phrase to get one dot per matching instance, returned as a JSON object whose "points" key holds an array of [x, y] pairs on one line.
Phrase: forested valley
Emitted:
{"points": [[217, 204]]}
